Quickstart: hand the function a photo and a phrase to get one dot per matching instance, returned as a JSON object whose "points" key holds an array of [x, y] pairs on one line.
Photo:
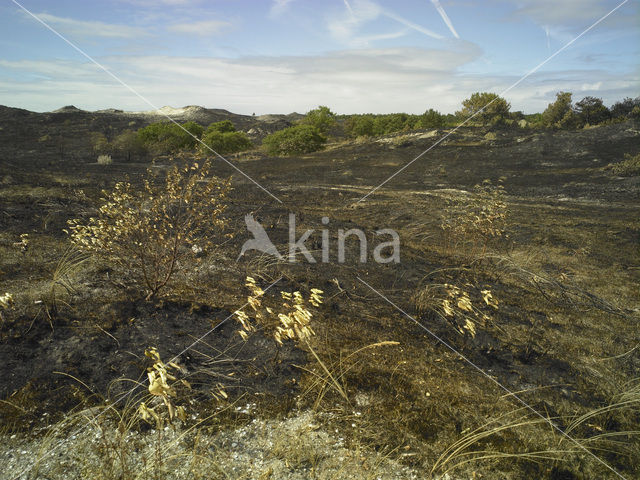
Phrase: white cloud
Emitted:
{"points": [[350, 81], [576, 15], [201, 28], [84, 28]]}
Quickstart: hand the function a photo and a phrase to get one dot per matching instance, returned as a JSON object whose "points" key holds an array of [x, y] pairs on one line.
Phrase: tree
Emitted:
{"points": [[485, 108], [394, 122], [431, 119], [558, 112], [321, 118], [128, 144], [624, 108], [359, 126], [99, 143], [294, 140], [591, 110]]}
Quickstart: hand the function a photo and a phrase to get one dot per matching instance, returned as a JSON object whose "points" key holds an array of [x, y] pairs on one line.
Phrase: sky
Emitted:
{"points": [[281, 56]]}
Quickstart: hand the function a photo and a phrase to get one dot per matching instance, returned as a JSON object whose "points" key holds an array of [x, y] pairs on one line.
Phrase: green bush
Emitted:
{"points": [[225, 126], [128, 146], [592, 111], [359, 126], [486, 108], [369, 125], [321, 118], [168, 137], [223, 138], [294, 140], [431, 119], [625, 107], [194, 128], [559, 114], [226, 142]]}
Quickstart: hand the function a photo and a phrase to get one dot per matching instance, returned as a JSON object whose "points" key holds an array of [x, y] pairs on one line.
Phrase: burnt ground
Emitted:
{"points": [[564, 336]]}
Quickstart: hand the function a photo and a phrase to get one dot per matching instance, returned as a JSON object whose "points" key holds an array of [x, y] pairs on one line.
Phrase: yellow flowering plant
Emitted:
{"points": [[147, 232]]}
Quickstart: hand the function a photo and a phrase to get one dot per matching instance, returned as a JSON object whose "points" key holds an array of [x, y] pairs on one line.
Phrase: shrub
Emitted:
{"points": [[168, 137], [359, 126], [226, 142], [628, 167], [128, 145], [431, 119], [294, 140], [194, 129], [99, 143], [560, 113], [222, 127], [395, 122], [146, 233], [592, 111], [624, 108], [488, 108], [321, 118], [105, 160], [223, 138]]}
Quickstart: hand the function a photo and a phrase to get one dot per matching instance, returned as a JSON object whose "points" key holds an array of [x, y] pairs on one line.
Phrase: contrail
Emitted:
{"points": [[348, 5], [546, 32], [412, 25], [399, 19], [445, 17]]}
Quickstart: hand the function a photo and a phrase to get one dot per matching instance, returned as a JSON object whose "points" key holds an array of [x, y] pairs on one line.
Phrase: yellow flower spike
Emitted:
{"points": [[446, 306], [464, 303]]}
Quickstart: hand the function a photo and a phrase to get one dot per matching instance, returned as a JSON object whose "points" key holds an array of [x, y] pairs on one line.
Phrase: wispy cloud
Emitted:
{"points": [[278, 7], [350, 81], [445, 17], [569, 15], [84, 28], [201, 28]]}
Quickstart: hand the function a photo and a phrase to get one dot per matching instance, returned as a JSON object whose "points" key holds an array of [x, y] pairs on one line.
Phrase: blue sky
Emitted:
{"points": [[279, 56]]}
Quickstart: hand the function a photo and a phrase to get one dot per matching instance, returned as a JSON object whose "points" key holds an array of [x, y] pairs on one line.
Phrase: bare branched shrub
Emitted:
{"points": [[148, 232], [288, 319], [477, 220]]}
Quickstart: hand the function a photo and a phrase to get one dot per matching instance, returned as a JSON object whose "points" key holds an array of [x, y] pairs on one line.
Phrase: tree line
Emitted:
{"points": [[310, 134]]}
